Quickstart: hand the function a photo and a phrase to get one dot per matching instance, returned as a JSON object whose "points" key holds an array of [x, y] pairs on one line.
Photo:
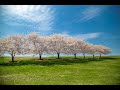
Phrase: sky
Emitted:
{"points": [[97, 24]]}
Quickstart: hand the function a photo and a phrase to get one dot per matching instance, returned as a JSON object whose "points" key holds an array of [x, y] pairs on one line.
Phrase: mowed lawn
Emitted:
{"points": [[64, 71]]}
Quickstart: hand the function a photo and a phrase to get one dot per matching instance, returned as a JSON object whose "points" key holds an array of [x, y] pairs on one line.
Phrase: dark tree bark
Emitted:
{"points": [[13, 55], [100, 55], [58, 55], [75, 56], [93, 55], [84, 55], [40, 57], [12, 58]]}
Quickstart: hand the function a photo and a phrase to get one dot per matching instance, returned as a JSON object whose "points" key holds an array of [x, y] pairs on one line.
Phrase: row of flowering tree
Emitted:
{"points": [[34, 43]]}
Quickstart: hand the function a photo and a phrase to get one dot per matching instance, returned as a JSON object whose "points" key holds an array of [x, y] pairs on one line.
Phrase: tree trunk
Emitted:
{"points": [[58, 55], [40, 57], [100, 55], [75, 56], [12, 55], [84, 55], [93, 55], [12, 58]]}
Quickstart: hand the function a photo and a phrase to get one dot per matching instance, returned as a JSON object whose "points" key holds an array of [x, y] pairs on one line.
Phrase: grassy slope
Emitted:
{"points": [[67, 71]]}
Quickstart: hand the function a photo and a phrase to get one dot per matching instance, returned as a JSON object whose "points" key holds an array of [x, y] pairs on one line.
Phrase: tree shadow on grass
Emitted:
{"points": [[110, 58], [53, 61]]}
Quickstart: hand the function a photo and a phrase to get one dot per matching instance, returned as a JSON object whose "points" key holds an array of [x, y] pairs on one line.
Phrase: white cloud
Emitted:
{"points": [[83, 36], [91, 12], [88, 35], [39, 17]]}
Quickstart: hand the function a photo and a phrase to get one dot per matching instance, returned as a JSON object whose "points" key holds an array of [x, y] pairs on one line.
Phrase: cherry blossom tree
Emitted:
{"points": [[14, 44], [73, 46], [2, 46], [92, 49], [100, 49], [38, 44], [34, 43], [56, 44], [107, 50], [84, 48]]}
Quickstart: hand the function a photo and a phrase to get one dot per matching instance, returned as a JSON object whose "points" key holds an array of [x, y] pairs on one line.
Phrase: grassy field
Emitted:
{"points": [[64, 71]]}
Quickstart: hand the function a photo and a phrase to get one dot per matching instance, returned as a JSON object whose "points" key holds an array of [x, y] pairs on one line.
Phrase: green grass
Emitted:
{"points": [[64, 71]]}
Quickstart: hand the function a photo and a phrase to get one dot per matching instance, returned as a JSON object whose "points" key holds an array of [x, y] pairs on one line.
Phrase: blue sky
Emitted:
{"points": [[97, 24]]}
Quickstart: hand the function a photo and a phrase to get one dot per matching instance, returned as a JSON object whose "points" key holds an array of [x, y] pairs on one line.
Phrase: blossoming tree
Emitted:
{"points": [[56, 44], [14, 44]]}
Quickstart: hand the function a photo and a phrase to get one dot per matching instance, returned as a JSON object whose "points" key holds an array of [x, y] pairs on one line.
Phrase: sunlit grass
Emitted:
{"points": [[64, 71]]}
